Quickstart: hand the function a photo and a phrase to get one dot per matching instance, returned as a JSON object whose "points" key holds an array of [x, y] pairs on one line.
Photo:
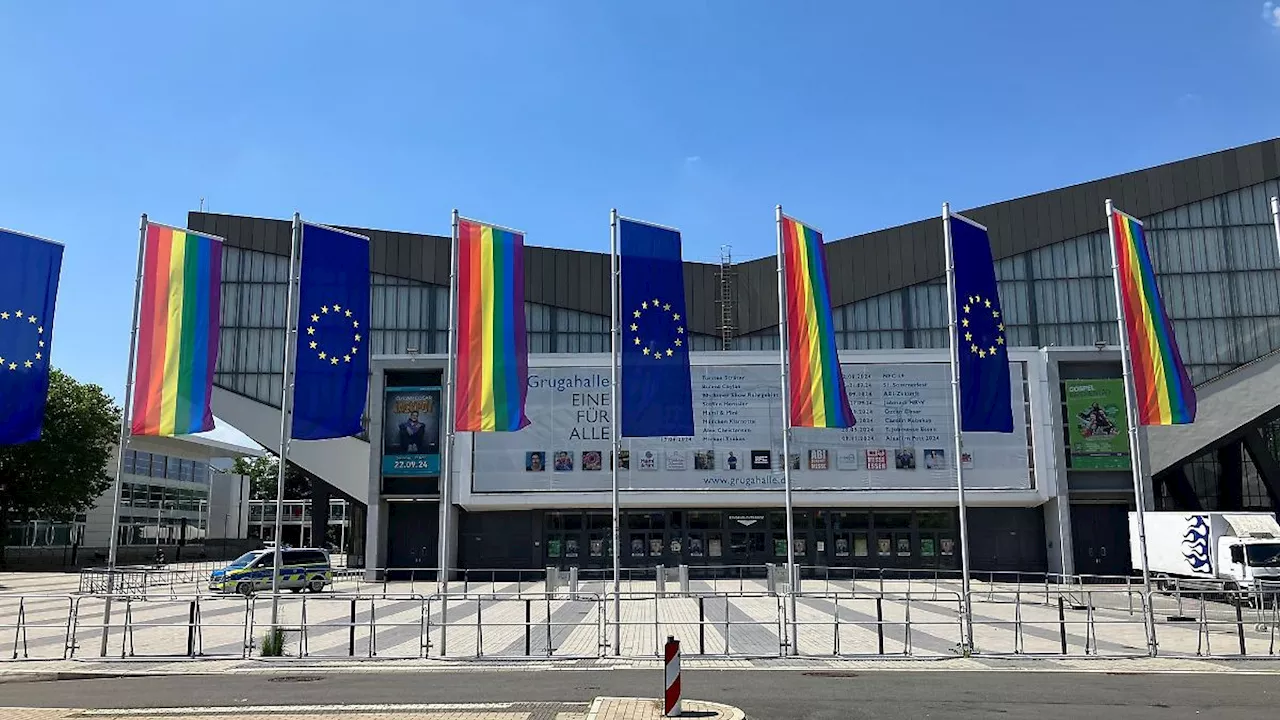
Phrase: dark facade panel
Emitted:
{"points": [[378, 258], [862, 266]]}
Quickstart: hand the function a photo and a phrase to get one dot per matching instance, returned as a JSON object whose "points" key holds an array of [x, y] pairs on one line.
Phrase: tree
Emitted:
{"points": [[65, 471], [263, 473]]}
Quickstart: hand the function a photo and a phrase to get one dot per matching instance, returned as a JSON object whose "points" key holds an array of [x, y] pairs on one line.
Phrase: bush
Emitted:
{"points": [[273, 643]]}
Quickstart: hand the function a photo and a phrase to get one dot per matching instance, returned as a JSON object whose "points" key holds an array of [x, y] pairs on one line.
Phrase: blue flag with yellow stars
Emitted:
{"points": [[656, 394], [29, 269], [331, 383], [985, 396]]}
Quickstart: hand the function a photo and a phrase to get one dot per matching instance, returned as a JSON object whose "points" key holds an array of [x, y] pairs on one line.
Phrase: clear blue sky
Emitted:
{"points": [[543, 115]]}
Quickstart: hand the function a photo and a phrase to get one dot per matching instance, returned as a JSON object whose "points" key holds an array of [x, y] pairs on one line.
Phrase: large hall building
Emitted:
{"points": [[1053, 496]]}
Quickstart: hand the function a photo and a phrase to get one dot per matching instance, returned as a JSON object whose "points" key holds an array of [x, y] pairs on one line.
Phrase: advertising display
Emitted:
{"points": [[1098, 427], [903, 440], [411, 431]]}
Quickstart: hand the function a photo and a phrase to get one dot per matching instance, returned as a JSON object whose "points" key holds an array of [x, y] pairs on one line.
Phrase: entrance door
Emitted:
{"points": [[413, 530], [748, 547], [748, 539], [1100, 536]]}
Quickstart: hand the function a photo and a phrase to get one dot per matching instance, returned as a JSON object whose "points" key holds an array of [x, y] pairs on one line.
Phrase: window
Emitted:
{"points": [[933, 519], [892, 520], [173, 469], [304, 557]]}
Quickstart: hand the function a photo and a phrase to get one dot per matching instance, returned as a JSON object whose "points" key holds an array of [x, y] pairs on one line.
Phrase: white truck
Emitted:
{"points": [[1220, 550]]}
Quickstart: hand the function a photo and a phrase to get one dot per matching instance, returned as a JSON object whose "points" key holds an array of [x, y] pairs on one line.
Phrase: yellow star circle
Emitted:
{"points": [[14, 359], [343, 316]]}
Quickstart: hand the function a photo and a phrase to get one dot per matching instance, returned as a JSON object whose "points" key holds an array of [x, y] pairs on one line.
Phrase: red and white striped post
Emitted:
{"points": [[671, 706]]}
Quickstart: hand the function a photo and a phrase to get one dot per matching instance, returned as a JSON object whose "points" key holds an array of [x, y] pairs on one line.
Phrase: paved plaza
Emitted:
{"points": [[602, 708], [513, 620]]}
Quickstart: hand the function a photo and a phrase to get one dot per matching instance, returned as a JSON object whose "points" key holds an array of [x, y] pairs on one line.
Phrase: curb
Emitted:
{"points": [[723, 712], [9, 677]]}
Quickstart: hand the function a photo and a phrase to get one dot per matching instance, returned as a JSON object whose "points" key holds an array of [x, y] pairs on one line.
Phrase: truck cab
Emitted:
{"points": [[1249, 561]]}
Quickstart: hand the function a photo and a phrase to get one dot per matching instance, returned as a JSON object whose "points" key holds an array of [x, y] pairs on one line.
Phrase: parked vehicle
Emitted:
{"points": [[301, 568], [1210, 550]]}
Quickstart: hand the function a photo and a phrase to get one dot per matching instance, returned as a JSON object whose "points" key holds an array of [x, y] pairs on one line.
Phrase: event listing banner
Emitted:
{"points": [[903, 440]]}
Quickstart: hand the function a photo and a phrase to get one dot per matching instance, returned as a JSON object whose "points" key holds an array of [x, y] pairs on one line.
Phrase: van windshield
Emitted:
{"points": [[1263, 555], [244, 560]]}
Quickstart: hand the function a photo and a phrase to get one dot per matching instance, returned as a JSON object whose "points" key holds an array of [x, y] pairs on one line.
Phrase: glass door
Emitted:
{"points": [[748, 547], [599, 552], [646, 539], [566, 543]]}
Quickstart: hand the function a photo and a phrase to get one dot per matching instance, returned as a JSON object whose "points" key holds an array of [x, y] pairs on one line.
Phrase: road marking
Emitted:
{"points": [[298, 709]]}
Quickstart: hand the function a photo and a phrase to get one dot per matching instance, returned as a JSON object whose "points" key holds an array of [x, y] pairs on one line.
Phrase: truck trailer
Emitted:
{"points": [[1222, 550]]}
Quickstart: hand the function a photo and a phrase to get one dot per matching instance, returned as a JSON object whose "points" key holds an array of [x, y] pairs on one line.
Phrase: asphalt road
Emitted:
{"points": [[765, 695]]}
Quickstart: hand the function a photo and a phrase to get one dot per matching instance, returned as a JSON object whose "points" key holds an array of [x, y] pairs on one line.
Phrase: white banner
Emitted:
{"points": [[903, 439]]}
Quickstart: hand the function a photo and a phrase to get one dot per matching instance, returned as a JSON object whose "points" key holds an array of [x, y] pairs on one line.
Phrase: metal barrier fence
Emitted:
{"points": [[520, 616]]}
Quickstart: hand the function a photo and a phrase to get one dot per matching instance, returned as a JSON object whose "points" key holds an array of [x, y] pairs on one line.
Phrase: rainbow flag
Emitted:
{"points": [[492, 362], [817, 393], [1165, 395], [178, 316]]}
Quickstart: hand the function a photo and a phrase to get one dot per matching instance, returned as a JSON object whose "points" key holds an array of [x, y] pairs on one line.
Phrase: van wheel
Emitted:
{"points": [[317, 585], [244, 588]]}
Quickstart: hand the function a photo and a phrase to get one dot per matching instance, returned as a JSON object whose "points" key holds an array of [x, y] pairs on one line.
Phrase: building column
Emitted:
{"points": [[1179, 488], [320, 494], [1230, 477]]}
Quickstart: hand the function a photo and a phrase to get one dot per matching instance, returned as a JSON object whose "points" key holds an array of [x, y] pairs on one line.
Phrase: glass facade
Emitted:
{"points": [[297, 523], [161, 498], [162, 466], [831, 538], [1207, 476], [1216, 260], [1218, 274], [407, 316]]}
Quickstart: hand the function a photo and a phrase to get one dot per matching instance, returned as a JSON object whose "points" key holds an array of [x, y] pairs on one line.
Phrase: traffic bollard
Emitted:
{"points": [[671, 705]]}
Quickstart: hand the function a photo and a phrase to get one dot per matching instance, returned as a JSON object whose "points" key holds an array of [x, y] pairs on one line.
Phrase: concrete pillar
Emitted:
{"points": [[320, 494], [1230, 477]]}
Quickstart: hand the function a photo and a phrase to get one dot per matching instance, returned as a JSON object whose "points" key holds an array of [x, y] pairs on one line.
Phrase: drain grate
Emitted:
{"points": [[831, 674], [296, 679]]}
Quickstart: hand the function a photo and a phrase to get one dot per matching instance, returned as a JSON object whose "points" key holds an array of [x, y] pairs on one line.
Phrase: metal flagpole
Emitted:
{"points": [[793, 575], [954, 359], [1275, 219], [286, 408], [1135, 437], [615, 275], [125, 437], [450, 426]]}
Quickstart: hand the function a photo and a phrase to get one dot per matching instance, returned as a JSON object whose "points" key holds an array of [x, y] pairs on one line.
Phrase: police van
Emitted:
{"points": [[300, 569]]}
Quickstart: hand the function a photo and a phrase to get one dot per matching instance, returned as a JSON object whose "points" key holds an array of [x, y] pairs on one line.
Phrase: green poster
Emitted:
{"points": [[1099, 432]]}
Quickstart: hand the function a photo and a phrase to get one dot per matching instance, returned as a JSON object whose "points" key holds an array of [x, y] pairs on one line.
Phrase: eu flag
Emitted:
{"points": [[332, 380], [657, 398], [29, 269], [985, 403]]}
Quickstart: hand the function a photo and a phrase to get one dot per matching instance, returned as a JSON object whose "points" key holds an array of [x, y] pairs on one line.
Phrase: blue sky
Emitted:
{"points": [[543, 115]]}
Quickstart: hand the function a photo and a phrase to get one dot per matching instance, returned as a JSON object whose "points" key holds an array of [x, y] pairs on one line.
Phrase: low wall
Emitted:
{"points": [[71, 557]]}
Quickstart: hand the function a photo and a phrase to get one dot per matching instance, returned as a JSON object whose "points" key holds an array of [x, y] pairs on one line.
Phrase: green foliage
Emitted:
{"points": [[63, 472], [273, 643], [263, 473]]}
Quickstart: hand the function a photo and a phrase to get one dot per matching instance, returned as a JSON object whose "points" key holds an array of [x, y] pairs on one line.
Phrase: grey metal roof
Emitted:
{"points": [[862, 265]]}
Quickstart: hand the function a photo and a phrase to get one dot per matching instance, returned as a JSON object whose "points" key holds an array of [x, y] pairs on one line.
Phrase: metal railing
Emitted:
{"points": [[492, 615]]}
